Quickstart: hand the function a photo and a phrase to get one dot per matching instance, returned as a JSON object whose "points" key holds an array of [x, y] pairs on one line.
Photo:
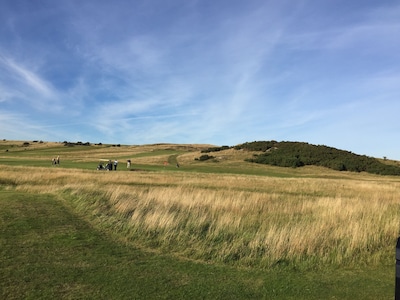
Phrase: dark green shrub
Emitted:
{"points": [[205, 157]]}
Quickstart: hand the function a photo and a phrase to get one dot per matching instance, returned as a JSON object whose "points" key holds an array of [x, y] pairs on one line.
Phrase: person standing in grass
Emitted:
{"points": [[115, 165]]}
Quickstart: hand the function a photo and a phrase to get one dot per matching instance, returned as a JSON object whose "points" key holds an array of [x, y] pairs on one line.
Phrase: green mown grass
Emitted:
{"points": [[47, 251], [201, 168]]}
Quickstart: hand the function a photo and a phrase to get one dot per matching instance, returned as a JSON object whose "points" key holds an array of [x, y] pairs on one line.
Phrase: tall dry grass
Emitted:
{"points": [[237, 218]]}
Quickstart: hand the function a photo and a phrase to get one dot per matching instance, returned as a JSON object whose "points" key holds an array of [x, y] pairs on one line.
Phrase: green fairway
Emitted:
{"points": [[48, 252]]}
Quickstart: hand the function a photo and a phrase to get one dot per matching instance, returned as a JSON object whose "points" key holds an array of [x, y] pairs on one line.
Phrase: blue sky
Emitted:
{"points": [[221, 72]]}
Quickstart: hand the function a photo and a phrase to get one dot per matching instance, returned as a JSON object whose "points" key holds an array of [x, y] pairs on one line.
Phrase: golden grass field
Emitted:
{"points": [[311, 216]]}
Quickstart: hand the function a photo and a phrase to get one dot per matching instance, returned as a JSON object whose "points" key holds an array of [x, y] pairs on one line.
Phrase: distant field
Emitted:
{"points": [[225, 212]]}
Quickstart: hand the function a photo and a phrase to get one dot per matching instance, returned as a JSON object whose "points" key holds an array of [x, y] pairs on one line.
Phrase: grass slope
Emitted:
{"points": [[49, 252], [68, 232]]}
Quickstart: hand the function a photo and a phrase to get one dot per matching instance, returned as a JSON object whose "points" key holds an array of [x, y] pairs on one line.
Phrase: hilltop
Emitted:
{"points": [[299, 154]]}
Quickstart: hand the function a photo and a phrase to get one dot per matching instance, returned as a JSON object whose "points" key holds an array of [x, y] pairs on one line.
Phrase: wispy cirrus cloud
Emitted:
{"points": [[24, 84]]}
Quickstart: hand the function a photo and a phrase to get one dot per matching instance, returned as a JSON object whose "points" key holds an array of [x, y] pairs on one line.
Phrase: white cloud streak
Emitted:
{"points": [[24, 84]]}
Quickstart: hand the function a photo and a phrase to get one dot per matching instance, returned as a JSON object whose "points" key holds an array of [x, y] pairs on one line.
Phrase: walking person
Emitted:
{"points": [[115, 165]]}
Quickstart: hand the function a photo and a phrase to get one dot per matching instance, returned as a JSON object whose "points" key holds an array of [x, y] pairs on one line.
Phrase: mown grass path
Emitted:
{"points": [[48, 252]]}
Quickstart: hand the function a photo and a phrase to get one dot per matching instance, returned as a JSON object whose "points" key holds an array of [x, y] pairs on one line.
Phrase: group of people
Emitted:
{"points": [[112, 165], [109, 166]]}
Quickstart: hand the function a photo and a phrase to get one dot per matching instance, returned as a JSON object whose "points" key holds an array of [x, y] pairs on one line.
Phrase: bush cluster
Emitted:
{"points": [[215, 149], [204, 157], [71, 144], [296, 154]]}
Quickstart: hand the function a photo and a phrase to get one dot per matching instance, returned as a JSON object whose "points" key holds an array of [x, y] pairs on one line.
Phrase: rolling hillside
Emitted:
{"points": [[299, 154], [273, 153]]}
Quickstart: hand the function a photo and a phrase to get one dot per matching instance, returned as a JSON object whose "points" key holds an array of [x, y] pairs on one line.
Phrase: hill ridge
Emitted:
{"points": [[298, 154]]}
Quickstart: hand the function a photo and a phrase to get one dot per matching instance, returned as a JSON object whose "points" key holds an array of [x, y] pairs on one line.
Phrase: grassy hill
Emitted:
{"points": [[297, 154], [280, 154], [252, 231]]}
